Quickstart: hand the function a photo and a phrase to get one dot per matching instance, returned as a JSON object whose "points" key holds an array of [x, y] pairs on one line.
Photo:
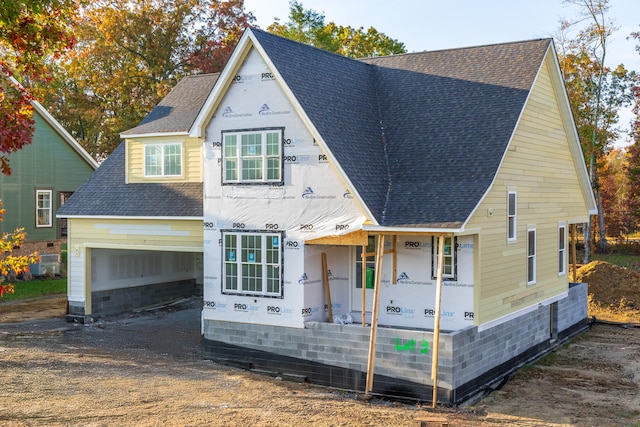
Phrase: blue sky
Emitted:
{"points": [[442, 24]]}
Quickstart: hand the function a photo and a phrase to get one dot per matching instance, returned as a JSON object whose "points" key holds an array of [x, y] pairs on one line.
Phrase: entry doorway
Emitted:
{"points": [[369, 272]]}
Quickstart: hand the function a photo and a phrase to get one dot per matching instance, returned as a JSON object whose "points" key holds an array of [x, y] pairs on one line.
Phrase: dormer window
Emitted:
{"points": [[252, 156], [163, 160]]}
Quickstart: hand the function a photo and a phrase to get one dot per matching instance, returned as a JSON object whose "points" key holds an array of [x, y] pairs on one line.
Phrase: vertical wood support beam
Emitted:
{"points": [[327, 288], [436, 325], [374, 314]]}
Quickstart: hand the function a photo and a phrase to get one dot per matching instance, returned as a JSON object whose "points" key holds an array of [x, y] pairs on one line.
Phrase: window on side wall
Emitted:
{"points": [[163, 160], [562, 250], [511, 216], [450, 262], [43, 208], [252, 156], [531, 256], [252, 264]]}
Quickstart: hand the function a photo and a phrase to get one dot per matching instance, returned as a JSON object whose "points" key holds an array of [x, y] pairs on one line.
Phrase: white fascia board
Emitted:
{"points": [[219, 89], [153, 135], [504, 154], [313, 131], [400, 230], [148, 218], [247, 41], [571, 129], [572, 135]]}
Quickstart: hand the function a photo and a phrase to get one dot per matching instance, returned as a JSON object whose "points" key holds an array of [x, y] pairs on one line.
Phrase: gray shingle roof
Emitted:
{"points": [[178, 110], [105, 193], [420, 135]]}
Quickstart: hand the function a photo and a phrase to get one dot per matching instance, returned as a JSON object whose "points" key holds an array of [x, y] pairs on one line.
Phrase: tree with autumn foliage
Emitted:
{"points": [[633, 167], [12, 264], [129, 54], [309, 27], [596, 94], [32, 33]]}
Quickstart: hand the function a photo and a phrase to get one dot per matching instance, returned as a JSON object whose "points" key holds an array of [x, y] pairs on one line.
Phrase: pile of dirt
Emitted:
{"points": [[611, 286]]}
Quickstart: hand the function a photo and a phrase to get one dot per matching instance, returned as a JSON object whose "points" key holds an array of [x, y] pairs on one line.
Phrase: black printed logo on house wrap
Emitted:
{"points": [[265, 110], [241, 78], [404, 279], [228, 113], [308, 193]]}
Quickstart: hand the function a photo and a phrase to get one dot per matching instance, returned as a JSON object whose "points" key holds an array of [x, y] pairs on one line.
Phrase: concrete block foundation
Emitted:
{"points": [[336, 355]]}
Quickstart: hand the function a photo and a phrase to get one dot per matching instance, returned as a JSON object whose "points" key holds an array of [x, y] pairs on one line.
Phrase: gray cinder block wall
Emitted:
{"points": [[337, 355]]}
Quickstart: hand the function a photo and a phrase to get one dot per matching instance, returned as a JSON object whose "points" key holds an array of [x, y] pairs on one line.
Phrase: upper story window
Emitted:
{"points": [[252, 263], [43, 208], [450, 263], [511, 216], [163, 159], [253, 156]]}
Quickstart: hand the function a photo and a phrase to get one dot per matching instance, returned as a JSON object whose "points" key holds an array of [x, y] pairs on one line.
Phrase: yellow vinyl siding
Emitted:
{"points": [[149, 234], [191, 160], [540, 168]]}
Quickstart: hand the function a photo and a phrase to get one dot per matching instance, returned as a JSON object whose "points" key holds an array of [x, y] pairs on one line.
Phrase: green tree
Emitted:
{"points": [[129, 54], [32, 33], [596, 94], [634, 148], [309, 27]]}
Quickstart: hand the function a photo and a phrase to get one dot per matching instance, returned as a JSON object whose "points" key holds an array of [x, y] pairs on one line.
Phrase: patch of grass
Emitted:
{"points": [[36, 288], [621, 259]]}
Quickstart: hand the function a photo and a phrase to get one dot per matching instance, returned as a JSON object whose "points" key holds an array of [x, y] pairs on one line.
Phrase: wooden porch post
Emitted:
{"points": [[374, 314], [436, 324]]}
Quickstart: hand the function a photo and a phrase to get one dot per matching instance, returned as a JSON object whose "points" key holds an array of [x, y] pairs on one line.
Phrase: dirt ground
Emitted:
{"points": [[146, 370]]}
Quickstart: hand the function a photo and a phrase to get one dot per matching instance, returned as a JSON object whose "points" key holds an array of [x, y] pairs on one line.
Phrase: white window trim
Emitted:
{"points": [[562, 250], [162, 145], [264, 156], [454, 258], [514, 216], [49, 209], [238, 262], [534, 256]]}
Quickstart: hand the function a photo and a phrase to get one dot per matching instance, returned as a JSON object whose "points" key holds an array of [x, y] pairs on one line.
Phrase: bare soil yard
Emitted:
{"points": [[146, 370]]}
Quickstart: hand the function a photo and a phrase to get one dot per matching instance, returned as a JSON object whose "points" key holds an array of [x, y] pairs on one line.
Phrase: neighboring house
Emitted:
{"points": [[136, 224], [333, 179], [44, 175]]}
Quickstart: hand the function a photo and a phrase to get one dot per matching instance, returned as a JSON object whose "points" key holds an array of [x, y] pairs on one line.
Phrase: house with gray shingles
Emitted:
{"points": [[358, 212], [135, 236]]}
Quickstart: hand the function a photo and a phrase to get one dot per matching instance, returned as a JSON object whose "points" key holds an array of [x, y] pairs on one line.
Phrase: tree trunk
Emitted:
{"points": [[586, 238]]}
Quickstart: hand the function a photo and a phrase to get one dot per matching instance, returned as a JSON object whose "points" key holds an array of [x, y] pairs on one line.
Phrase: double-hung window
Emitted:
{"points": [[43, 208], [449, 264], [253, 156], [251, 263], [163, 159], [531, 256], [511, 216], [562, 249]]}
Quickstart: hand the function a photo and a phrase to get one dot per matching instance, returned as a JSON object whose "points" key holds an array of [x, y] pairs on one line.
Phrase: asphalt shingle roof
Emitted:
{"points": [[105, 193], [178, 110], [420, 135]]}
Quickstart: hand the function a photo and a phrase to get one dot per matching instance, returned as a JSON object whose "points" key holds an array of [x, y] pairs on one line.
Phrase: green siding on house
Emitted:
{"points": [[48, 163]]}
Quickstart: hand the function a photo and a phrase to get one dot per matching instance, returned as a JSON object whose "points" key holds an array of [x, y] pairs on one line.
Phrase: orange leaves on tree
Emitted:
{"points": [[13, 264]]}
